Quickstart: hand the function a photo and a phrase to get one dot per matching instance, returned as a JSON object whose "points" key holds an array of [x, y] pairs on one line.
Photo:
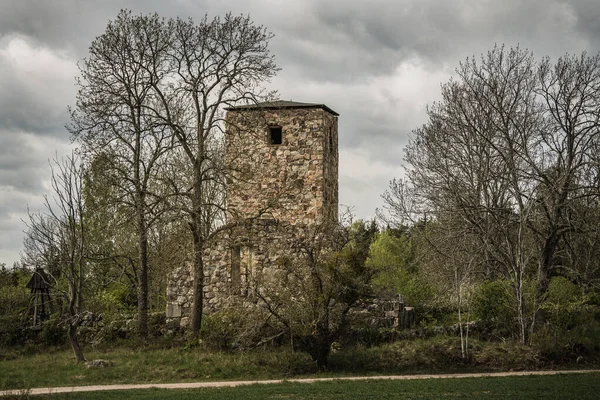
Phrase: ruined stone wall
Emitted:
{"points": [[260, 244], [276, 188], [180, 294], [330, 167]]}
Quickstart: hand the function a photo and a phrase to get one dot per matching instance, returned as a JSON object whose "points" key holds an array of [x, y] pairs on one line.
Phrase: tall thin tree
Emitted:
{"points": [[116, 114], [62, 230]]}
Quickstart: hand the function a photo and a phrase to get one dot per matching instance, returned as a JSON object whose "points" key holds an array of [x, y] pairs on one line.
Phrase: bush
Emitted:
{"points": [[561, 290], [14, 303], [365, 330], [571, 328], [156, 323], [14, 300], [219, 330], [13, 331], [507, 354], [53, 332], [112, 302], [492, 307], [436, 315], [112, 332], [236, 327]]}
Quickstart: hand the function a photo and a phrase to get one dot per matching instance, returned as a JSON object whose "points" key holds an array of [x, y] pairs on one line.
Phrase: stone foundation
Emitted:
{"points": [[231, 265]]}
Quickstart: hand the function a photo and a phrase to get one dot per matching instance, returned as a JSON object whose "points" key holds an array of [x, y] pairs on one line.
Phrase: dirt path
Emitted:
{"points": [[195, 385]]}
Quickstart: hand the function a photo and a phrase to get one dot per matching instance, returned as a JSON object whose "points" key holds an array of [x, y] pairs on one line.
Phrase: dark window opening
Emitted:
{"points": [[275, 135], [236, 278]]}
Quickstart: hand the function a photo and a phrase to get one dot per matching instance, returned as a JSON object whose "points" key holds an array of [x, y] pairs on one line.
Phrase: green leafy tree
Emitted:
{"points": [[392, 259]]}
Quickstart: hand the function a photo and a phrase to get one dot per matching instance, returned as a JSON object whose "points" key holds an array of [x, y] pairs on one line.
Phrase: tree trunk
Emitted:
{"points": [[319, 347], [322, 339], [143, 278], [198, 293], [321, 358], [198, 238], [543, 281], [521, 309], [463, 348], [75, 343]]}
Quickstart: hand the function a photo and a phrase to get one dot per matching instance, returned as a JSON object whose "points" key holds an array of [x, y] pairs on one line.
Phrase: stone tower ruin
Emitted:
{"points": [[282, 161]]}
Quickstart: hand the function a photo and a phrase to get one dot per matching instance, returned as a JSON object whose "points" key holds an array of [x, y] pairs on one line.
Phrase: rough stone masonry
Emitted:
{"points": [[282, 161]]}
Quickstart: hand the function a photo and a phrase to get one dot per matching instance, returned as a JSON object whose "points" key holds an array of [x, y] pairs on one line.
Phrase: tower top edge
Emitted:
{"points": [[280, 105]]}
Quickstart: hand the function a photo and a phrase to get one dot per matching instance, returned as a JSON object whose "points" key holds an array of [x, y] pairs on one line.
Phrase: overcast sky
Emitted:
{"points": [[377, 63]]}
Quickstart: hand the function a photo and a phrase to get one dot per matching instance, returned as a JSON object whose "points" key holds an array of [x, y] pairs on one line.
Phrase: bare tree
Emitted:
{"points": [[568, 173], [148, 81], [450, 266], [509, 150], [117, 118], [61, 230], [468, 163], [215, 64]]}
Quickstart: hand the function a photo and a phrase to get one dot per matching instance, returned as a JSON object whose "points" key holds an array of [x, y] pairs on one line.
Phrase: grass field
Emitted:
{"points": [[150, 365], [164, 362], [584, 386], [56, 367]]}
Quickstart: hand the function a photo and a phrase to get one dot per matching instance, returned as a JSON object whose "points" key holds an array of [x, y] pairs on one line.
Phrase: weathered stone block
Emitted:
{"points": [[173, 310]]}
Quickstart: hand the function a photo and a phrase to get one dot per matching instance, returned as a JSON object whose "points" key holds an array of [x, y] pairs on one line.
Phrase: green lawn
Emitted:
{"points": [[158, 363], [584, 386], [57, 368]]}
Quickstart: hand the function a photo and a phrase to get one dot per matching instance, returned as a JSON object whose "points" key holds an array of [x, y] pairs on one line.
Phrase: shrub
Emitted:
{"points": [[156, 323], [112, 302], [492, 306], [12, 331], [236, 326], [14, 300], [365, 330], [53, 332], [507, 354], [14, 303], [570, 325], [436, 315]]}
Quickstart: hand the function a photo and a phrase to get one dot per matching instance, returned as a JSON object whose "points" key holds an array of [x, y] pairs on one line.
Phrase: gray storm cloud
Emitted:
{"points": [[377, 63]]}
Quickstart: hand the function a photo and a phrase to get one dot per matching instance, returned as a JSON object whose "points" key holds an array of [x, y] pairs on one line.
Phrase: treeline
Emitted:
{"points": [[478, 301], [504, 177]]}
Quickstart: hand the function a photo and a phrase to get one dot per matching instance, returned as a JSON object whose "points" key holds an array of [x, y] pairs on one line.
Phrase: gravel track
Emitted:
{"points": [[196, 385]]}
